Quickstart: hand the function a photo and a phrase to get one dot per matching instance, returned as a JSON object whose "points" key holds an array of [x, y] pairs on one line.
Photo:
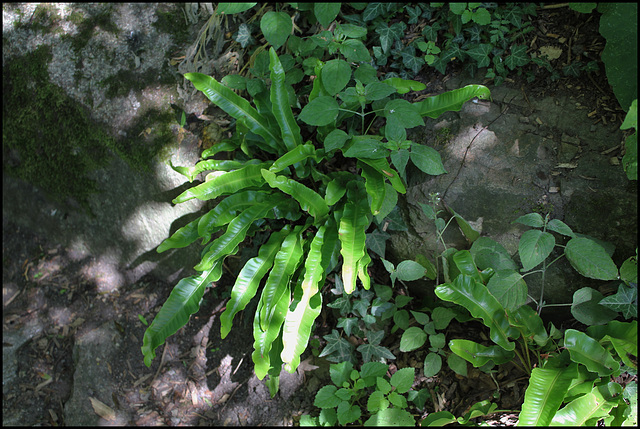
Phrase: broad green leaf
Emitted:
{"points": [[276, 27], [228, 242], [320, 111], [402, 379], [365, 147], [377, 402], [560, 227], [301, 314], [348, 413], [544, 395], [326, 12], [404, 85], [352, 237], [309, 200], [182, 237], [439, 418], [231, 8], [295, 155], [525, 317], [488, 253], [326, 397], [590, 259], [434, 106], [587, 351], [354, 51], [509, 288], [281, 108], [479, 355], [481, 304], [274, 301], [249, 279], [586, 407], [412, 339], [405, 113], [457, 364], [410, 270], [629, 271], [374, 185], [426, 159], [586, 307], [442, 317], [534, 220], [534, 247], [183, 301], [377, 91], [335, 74], [236, 106], [335, 140], [432, 364]]}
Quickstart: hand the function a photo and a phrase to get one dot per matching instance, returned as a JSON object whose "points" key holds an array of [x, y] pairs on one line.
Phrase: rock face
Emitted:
{"points": [[513, 156]]}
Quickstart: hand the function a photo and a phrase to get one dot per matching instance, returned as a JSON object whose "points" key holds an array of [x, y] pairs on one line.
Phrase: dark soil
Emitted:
{"points": [[199, 379]]}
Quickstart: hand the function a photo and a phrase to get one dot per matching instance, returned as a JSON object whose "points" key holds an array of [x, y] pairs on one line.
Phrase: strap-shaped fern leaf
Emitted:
{"points": [[544, 395], [280, 104], [353, 224], [249, 279], [374, 184], [382, 165], [227, 210], [301, 314], [309, 200], [211, 164], [236, 232], [274, 301], [183, 301], [226, 183], [475, 297], [297, 154], [236, 106], [452, 100], [182, 237]]}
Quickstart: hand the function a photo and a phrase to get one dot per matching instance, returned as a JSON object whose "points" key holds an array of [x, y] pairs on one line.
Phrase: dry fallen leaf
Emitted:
{"points": [[102, 409]]}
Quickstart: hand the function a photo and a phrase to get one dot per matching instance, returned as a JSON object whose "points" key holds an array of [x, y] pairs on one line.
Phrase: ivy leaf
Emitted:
{"points": [[480, 53], [431, 32], [243, 36], [414, 14], [337, 349], [376, 242], [412, 62], [388, 35], [370, 350], [373, 10], [625, 301], [348, 324], [518, 57]]}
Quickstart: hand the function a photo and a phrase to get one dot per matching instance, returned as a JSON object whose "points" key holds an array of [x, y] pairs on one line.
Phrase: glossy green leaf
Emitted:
{"points": [[281, 108], [211, 164], [249, 279], [435, 106], [274, 301], [464, 263], [374, 185], [320, 111], [295, 155], [544, 395], [475, 297], [439, 418], [223, 146], [234, 105], [226, 183], [470, 232], [183, 301], [587, 351], [622, 335], [353, 223], [586, 307], [228, 209], [590, 259], [382, 165], [182, 237], [534, 247], [479, 355], [363, 273], [509, 288], [577, 412], [532, 325], [309, 200], [235, 233], [302, 313]]}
